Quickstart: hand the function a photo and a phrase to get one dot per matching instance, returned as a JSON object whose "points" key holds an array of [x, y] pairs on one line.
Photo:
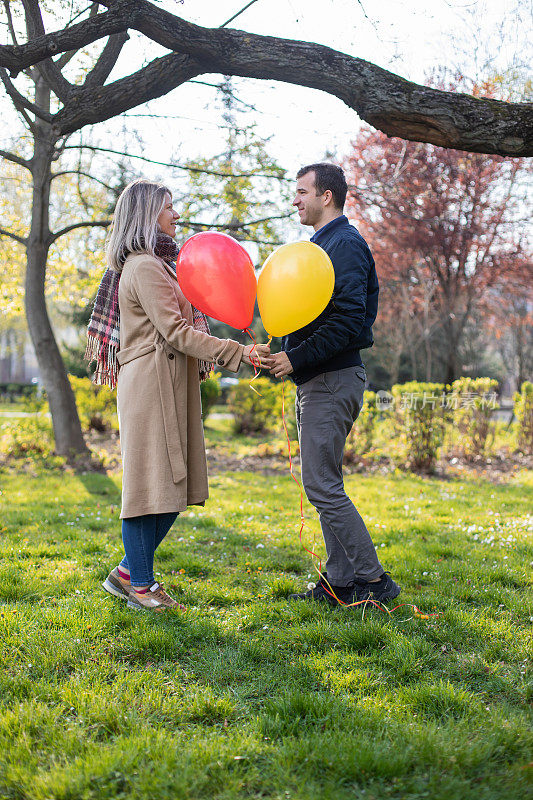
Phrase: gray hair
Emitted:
{"points": [[134, 227]]}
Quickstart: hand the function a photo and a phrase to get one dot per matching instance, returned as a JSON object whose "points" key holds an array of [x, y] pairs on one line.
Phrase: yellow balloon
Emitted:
{"points": [[294, 287]]}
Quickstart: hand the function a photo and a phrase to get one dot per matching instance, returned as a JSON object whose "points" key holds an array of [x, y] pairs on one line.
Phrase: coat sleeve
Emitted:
{"points": [[154, 292], [348, 308]]}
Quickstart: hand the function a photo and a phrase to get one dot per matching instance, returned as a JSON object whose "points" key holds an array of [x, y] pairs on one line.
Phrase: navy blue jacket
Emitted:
{"points": [[333, 340]]}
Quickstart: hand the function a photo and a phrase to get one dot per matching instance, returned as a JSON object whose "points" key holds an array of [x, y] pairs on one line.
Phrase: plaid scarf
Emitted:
{"points": [[103, 333]]}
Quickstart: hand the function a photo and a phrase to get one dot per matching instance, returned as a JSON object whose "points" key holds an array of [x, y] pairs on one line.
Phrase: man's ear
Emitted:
{"points": [[328, 197]]}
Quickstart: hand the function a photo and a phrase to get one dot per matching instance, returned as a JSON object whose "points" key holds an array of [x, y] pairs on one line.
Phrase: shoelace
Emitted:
{"points": [[161, 594]]}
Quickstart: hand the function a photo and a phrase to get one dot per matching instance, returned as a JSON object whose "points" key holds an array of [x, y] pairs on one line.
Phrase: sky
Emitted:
{"points": [[410, 38]]}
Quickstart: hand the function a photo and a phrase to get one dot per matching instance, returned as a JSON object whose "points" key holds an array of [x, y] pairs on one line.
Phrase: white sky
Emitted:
{"points": [[408, 37]]}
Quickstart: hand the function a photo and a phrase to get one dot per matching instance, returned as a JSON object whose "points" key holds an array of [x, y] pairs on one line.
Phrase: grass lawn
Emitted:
{"points": [[246, 695]]}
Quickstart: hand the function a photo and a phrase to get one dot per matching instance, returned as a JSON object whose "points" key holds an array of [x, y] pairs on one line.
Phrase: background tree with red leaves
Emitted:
{"points": [[448, 230]]}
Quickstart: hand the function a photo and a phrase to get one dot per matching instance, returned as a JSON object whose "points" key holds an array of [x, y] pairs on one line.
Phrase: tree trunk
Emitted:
{"points": [[414, 369], [427, 343], [451, 357], [67, 429]]}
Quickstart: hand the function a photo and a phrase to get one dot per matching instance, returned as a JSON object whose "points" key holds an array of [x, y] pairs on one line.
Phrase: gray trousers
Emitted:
{"points": [[326, 408]]}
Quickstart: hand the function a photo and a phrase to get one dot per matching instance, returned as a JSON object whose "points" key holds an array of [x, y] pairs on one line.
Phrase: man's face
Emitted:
{"points": [[310, 206]]}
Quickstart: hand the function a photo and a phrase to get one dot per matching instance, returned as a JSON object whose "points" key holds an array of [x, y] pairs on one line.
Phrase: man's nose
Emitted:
{"points": [[296, 201]]}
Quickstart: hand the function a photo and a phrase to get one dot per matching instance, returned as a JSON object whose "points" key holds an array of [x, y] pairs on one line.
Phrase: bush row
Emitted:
{"points": [[422, 418], [97, 405]]}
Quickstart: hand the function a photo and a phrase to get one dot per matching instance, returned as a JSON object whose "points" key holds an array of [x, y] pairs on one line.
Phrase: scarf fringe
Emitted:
{"points": [[105, 355], [103, 336]]}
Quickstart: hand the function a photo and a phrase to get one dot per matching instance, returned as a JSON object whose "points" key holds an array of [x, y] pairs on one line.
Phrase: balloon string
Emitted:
{"points": [[256, 361], [327, 586]]}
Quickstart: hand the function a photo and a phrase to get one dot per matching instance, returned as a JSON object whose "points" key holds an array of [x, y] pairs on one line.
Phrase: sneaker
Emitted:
{"points": [[155, 599], [322, 593], [116, 585], [380, 591]]}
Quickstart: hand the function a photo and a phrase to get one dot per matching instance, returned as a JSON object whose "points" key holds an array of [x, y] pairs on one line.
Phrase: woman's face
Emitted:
{"points": [[168, 217]]}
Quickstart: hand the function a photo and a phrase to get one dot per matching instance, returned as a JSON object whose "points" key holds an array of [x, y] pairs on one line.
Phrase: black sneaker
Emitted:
{"points": [[322, 593], [380, 591]]}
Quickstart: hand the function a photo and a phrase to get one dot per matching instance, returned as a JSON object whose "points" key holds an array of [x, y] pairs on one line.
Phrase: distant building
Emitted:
{"points": [[18, 363]]}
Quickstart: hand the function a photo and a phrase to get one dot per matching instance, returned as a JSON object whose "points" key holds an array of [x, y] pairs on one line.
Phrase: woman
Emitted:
{"points": [[165, 350]]}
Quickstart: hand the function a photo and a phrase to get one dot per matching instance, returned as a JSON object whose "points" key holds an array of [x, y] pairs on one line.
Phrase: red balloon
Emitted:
{"points": [[217, 276]]}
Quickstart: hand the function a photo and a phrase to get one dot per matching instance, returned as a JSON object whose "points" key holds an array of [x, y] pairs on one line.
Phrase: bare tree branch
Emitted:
{"points": [[231, 226], [107, 60], [56, 80], [48, 68], [238, 14], [159, 77], [20, 239], [92, 8], [13, 34], [63, 59], [20, 102], [83, 174], [388, 102], [22, 162], [11, 27], [100, 223], [96, 149], [18, 57]]}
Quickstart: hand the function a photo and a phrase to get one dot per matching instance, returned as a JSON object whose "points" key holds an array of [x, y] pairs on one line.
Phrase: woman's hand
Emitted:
{"points": [[260, 352]]}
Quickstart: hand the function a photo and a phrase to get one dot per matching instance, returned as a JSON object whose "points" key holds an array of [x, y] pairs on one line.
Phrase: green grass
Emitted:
{"points": [[246, 695]]}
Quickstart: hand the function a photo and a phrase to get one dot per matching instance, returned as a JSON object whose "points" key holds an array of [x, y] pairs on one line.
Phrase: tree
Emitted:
{"points": [[388, 102], [241, 191], [40, 238], [446, 229], [54, 106], [510, 322]]}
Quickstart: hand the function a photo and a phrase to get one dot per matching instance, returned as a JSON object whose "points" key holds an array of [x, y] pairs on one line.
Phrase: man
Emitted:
{"points": [[323, 359]]}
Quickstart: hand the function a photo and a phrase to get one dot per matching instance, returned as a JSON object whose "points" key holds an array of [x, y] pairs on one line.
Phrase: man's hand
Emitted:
{"points": [[280, 365], [259, 356]]}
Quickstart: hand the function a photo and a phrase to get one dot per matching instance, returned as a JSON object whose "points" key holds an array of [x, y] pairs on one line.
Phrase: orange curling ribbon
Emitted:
{"points": [[329, 588]]}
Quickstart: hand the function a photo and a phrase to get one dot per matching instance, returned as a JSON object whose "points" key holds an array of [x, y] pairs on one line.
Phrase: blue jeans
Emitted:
{"points": [[141, 537]]}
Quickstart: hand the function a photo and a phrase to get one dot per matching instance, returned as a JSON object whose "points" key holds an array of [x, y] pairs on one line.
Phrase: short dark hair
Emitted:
{"points": [[328, 176]]}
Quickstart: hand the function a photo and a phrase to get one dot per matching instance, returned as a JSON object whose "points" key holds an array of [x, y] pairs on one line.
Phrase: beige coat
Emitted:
{"points": [[159, 409]]}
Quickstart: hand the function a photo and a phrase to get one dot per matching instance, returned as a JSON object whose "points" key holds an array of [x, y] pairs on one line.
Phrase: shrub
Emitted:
{"points": [[97, 405], [25, 395], [16, 392], [419, 423], [29, 438], [472, 401], [288, 390], [259, 411], [523, 409], [210, 392], [361, 437]]}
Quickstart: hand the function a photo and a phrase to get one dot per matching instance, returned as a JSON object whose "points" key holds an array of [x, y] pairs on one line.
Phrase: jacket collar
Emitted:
{"points": [[329, 227]]}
